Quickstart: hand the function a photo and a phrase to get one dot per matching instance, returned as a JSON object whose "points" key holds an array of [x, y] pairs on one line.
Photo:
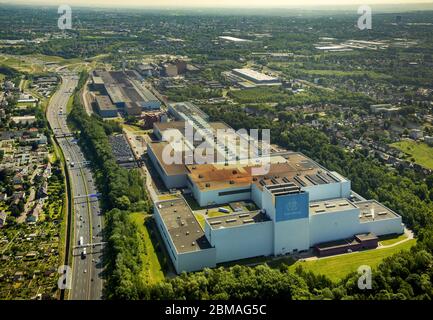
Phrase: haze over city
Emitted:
{"points": [[214, 3]]}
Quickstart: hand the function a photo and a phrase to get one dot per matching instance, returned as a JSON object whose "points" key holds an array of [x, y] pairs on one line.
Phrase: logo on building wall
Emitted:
{"points": [[291, 206]]}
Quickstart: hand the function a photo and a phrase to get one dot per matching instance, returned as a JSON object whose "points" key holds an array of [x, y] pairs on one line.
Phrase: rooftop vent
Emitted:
{"points": [[215, 223], [207, 185], [232, 182], [200, 176], [248, 221], [320, 210], [230, 220], [187, 233], [193, 243], [244, 215]]}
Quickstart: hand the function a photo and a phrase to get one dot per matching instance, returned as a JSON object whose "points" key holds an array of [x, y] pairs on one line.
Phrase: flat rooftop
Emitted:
{"points": [[372, 210], [183, 227], [237, 219], [289, 168], [255, 75], [104, 103], [329, 206], [169, 169], [188, 110], [124, 86], [337, 244], [180, 125], [234, 39]]}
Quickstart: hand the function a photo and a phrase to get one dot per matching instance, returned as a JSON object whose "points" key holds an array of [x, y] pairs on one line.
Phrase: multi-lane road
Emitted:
{"points": [[87, 223]]}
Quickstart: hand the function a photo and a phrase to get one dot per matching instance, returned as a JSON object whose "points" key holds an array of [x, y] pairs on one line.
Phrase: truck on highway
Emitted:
{"points": [[84, 253], [81, 241], [72, 164]]}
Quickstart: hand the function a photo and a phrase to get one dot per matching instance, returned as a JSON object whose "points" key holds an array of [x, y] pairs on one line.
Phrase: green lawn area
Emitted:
{"points": [[212, 213], [259, 95], [70, 103], [21, 64], [201, 219], [2, 76], [421, 152], [389, 240], [338, 267], [153, 271]]}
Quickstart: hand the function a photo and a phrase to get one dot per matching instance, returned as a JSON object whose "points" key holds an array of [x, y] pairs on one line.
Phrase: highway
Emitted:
{"points": [[87, 282]]}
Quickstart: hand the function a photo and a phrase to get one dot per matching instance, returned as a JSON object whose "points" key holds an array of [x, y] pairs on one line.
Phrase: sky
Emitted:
{"points": [[213, 3]]}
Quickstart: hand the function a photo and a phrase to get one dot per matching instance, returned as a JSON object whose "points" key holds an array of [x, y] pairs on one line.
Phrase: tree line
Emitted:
{"points": [[122, 192]]}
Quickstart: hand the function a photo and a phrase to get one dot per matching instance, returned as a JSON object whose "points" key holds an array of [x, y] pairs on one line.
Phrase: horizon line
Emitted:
{"points": [[210, 7]]}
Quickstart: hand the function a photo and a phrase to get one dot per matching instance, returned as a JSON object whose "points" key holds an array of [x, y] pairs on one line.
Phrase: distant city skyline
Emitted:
{"points": [[213, 3]]}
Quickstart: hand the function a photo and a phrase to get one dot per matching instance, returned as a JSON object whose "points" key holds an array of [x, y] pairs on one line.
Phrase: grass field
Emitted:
{"points": [[421, 152], [338, 267], [153, 271], [256, 95], [389, 240], [212, 213], [69, 104], [21, 64]]}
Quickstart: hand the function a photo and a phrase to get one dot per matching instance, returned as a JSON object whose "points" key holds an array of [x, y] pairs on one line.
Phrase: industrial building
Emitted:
{"points": [[175, 175], [295, 206], [105, 108], [248, 78], [174, 68], [126, 91]]}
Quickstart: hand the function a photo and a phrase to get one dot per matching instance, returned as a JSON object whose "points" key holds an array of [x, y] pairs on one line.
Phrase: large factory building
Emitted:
{"points": [[126, 91], [296, 206]]}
